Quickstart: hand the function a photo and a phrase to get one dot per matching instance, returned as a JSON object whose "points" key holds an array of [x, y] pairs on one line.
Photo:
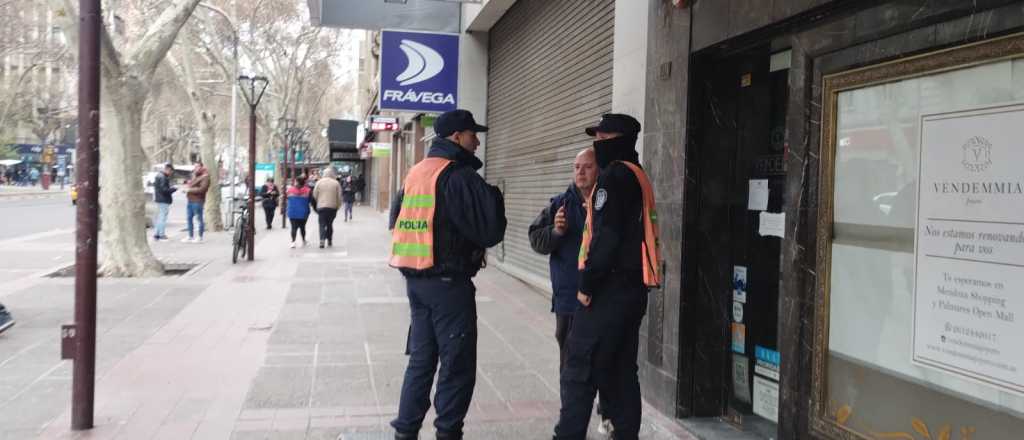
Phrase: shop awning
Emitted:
{"points": [[9, 162]]}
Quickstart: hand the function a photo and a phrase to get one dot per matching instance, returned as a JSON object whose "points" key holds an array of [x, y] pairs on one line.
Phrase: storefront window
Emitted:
{"points": [[924, 296]]}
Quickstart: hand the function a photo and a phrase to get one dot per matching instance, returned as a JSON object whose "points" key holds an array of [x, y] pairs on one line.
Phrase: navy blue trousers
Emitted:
{"points": [[442, 330], [600, 355]]}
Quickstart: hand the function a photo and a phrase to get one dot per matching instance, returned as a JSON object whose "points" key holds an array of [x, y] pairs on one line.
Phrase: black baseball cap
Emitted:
{"points": [[456, 120], [616, 123]]}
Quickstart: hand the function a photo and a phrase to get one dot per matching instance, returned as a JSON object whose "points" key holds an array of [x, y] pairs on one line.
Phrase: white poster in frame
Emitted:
{"points": [[969, 249]]}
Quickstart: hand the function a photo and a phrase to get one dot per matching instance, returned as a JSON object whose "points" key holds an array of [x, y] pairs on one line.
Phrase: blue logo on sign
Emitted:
{"points": [[419, 71], [766, 355]]}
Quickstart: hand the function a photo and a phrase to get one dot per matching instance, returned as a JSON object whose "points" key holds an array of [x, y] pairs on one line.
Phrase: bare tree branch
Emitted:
{"points": [[150, 50]]}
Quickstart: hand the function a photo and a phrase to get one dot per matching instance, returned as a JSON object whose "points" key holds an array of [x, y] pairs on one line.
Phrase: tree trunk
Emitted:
{"points": [[125, 251], [207, 149]]}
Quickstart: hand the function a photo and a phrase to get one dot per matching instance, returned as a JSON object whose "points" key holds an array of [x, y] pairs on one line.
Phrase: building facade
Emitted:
{"points": [[810, 141], [838, 191]]}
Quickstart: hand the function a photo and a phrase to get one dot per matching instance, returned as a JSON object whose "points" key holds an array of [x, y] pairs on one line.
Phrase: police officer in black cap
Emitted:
{"points": [[443, 220], [618, 263]]}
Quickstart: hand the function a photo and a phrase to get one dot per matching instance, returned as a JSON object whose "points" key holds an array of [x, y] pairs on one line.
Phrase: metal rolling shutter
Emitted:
{"points": [[550, 77]]}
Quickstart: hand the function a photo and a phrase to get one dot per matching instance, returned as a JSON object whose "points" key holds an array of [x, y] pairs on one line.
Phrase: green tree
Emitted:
{"points": [[7, 151]]}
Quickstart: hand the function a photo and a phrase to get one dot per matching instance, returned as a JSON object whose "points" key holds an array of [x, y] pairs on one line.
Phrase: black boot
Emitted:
{"points": [[321, 244], [403, 436]]}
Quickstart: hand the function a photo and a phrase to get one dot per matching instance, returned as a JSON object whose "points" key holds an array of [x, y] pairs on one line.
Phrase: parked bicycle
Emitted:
{"points": [[240, 242]]}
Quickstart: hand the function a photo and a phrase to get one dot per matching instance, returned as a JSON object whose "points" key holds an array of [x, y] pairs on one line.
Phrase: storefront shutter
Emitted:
{"points": [[550, 77]]}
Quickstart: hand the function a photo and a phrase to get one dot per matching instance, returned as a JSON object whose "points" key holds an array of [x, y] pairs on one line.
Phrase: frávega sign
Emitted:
{"points": [[419, 71]]}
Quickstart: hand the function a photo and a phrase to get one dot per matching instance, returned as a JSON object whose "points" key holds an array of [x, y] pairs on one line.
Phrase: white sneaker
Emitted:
{"points": [[292, 245], [199, 240], [187, 240], [305, 243], [605, 427]]}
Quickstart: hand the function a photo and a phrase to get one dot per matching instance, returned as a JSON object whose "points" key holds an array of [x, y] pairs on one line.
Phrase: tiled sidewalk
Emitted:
{"points": [[308, 344]]}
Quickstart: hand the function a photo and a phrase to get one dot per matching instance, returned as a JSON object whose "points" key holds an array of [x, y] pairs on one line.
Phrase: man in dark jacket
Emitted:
{"points": [[162, 190], [557, 231], [602, 345], [468, 218]]}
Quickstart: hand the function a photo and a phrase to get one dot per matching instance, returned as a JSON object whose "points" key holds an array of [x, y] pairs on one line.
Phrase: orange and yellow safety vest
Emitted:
{"points": [[412, 241], [649, 248]]}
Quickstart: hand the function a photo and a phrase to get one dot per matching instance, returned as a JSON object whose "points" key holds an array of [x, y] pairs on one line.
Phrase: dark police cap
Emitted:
{"points": [[456, 120], [616, 123]]}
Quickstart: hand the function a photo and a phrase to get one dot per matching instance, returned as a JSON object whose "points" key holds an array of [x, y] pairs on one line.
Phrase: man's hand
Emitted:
{"points": [[561, 225], [583, 299]]}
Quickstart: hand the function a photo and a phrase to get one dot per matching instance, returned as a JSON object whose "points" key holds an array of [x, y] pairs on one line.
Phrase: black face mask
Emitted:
{"points": [[610, 150]]}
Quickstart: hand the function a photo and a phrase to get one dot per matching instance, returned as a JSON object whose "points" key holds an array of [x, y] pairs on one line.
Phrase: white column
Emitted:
{"points": [[629, 91]]}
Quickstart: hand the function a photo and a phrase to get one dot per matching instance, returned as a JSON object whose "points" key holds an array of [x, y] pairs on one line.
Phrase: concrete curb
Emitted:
{"points": [[33, 193]]}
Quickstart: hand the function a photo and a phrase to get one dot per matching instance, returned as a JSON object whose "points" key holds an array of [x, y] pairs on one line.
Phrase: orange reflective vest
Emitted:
{"points": [[649, 248], [412, 241]]}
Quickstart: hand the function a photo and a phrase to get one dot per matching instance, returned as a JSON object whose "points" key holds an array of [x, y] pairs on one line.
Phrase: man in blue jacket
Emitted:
{"points": [[558, 231], [468, 218]]}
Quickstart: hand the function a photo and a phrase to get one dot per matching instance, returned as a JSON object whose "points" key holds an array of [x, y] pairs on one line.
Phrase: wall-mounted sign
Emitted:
{"points": [[419, 71], [766, 398], [741, 377], [383, 123], [345, 155], [264, 171], [970, 246], [757, 196], [739, 284], [767, 362], [380, 149], [739, 338]]}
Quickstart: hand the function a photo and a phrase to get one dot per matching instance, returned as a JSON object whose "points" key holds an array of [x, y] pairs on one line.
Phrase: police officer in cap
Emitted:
{"points": [[618, 263], [443, 221]]}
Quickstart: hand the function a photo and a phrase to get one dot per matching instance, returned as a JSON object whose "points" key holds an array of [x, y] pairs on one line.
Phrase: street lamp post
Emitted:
{"points": [[253, 88], [82, 333]]}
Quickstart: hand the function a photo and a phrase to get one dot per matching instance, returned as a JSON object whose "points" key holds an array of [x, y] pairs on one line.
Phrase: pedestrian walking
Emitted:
{"points": [[6, 320], [327, 194], [360, 189], [558, 231], [443, 221], [270, 194], [348, 196], [299, 201], [618, 263], [196, 194], [162, 191]]}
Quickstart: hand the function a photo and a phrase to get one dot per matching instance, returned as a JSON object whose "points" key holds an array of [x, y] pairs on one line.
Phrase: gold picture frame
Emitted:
{"points": [[822, 422]]}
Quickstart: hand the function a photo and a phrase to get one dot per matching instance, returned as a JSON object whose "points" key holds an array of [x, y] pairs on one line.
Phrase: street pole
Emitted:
{"points": [[253, 87], [252, 184], [86, 233], [287, 126], [234, 140], [284, 183]]}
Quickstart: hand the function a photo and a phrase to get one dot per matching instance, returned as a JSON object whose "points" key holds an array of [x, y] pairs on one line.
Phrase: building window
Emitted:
{"points": [[920, 282]]}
